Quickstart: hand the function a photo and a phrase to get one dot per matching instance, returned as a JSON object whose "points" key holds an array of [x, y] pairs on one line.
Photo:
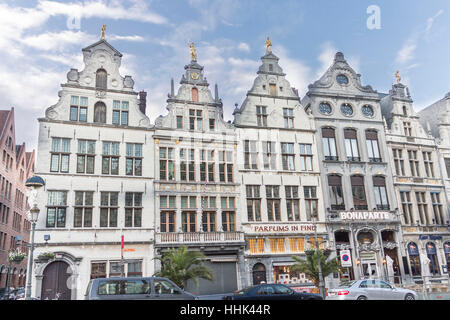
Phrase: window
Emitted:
{"points": [[428, 163], [250, 155], [398, 161], [437, 208], [228, 221], [288, 115], [342, 79], [447, 166], [269, 155], [329, 144], [226, 166], [311, 202], [207, 165], [288, 156], [194, 92], [60, 153], [325, 108], [212, 124], [166, 164], [272, 89], [189, 202], [179, 122], [56, 209], [108, 209], [405, 111], [261, 116], [372, 146], [358, 192], [135, 270], [228, 202], [276, 245], [253, 203], [86, 156], [195, 120], [120, 114], [306, 157], [82, 214], [187, 168], [100, 112], [101, 79], [167, 221], [110, 158], [292, 203], [413, 163], [133, 209], [273, 203], [188, 221], [164, 287], [297, 244], [434, 261], [78, 108], [414, 260], [208, 221], [422, 208], [351, 145], [98, 270], [407, 129], [347, 109], [134, 159], [381, 198], [336, 193], [407, 207], [256, 245]]}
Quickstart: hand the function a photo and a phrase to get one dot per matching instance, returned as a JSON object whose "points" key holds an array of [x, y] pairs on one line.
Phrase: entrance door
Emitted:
{"points": [[259, 273], [54, 281], [369, 269]]}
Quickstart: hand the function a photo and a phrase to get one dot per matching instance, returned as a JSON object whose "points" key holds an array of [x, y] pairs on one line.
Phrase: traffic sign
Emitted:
{"points": [[346, 258]]}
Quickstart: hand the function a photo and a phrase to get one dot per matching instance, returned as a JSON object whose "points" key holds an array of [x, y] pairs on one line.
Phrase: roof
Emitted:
{"points": [[102, 41]]}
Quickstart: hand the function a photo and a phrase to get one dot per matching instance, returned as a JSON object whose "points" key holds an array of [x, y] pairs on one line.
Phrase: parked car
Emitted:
{"points": [[370, 289], [271, 292], [19, 294], [136, 288]]}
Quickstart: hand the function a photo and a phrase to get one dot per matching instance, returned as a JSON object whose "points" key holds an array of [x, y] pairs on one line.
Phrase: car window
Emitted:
{"points": [[382, 284], [282, 290], [363, 284], [347, 284], [165, 287], [265, 290], [115, 287]]}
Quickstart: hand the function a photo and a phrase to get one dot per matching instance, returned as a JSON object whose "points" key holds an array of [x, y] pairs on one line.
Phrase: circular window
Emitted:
{"points": [[325, 108], [365, 237], [346, 109], [367, 111], [342, 79]]}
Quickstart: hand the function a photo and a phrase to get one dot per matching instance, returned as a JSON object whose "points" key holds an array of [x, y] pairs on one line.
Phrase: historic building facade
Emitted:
{"points": [[16, 167], [95, 154], [418, 184], [355, 170], [281, 194], [196, 181]]}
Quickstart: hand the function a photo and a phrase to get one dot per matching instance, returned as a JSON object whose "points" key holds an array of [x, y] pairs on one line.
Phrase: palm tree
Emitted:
{"points": [[181, 265], [310, 266]]}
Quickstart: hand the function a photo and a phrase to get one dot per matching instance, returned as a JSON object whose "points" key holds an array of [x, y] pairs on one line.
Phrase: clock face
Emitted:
{"points": [[346, 109], [325, 108], [367, 111], [194, 75]]}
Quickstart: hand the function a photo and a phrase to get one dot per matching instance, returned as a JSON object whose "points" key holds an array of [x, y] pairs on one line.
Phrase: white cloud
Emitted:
{"points": [[406, 53], [325, 58], [244, 47], [430, 20], [58, 41]]}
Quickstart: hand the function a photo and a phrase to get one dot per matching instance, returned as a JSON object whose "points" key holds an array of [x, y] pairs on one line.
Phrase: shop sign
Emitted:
{"points": [[346, 259], [364, 215], [283, 228]]}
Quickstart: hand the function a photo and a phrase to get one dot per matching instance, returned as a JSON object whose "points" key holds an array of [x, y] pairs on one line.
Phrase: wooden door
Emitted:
{"points": [[55, 280]]}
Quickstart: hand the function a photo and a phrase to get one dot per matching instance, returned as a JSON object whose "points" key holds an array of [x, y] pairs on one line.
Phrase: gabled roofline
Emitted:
{"points": [[105, 42]]}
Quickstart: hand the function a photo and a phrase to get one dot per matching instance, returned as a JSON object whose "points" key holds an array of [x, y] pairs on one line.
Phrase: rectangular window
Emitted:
{"points": [[134, 159], [329, 144], [253, 203], [351, 145], [273, 203], [336, 193], [261, 116], [407, 129], [306, 157], [398, 161], [228, 221], [56, 209], [381, 198], [269, 155], [60, 153], [276, 245], [297, 244], [179, 122], [166, 164], [250, 155], [86, 156], [428, 163], [167, 202], [228, 202], [447, 166], [311, 202], [413, 163], [78, 108], [195, 120], [272, 89], [82, 215], [292, 203], [437, 208], [372, 146], [120, 112], [407, 207], [256, 245], [212, 124], [288, 116], [188, 221], [422, 208], [133, 209], [226, 166], [207, 165], [189, 202], [167, 221], [108, 209], [110, 158], [208, 221], [288, 156], [358, 193]]}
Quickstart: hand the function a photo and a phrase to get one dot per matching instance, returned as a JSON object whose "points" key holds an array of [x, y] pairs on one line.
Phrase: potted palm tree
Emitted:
{"points": [[181, 265]]}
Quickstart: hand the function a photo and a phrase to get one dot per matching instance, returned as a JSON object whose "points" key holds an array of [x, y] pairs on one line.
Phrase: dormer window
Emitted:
{"points": [[195, 94], [101, 79], [100, 112]]}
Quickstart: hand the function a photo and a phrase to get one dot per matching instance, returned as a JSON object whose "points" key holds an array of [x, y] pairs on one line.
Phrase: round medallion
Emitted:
{"points": [[346, 109], [367, 110], [87, 80], [342, 79], [325, 108], [114, 83], [101, 59], [194, 75]]}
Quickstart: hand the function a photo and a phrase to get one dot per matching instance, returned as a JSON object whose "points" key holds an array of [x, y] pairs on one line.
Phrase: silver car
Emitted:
{"points": [[370, 289]]}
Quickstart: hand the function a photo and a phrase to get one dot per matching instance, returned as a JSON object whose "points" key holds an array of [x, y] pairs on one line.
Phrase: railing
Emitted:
{"points": [[199, 237]]}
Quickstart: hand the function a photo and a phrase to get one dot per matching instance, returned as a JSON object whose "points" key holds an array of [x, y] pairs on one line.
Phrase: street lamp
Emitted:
{"points": [[34, 184]]}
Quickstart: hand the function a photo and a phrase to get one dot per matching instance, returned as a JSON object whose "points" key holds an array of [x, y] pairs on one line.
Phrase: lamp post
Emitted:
{"points": [[321, 283], [34, 184]]}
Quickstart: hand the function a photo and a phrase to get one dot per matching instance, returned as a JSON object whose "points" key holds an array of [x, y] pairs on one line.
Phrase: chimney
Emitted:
{"points": [[142, 101]]}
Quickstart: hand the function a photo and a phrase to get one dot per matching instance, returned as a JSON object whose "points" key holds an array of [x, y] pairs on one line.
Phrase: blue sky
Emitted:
{"points": [[38, 46]]}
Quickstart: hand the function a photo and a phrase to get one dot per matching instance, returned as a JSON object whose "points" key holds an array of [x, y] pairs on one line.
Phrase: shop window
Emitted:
{"points": [[285, 275], [341, 236], [434, 261], [414, 260]]}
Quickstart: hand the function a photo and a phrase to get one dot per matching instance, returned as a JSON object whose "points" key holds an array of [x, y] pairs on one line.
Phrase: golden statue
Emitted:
{"points": [[193, 51], [397, 75], [268, 45], [103, 31]]}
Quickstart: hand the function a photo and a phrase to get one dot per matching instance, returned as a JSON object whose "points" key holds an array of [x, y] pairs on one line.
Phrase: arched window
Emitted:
{"points": [[447, 253], [101, 79], [100, 112], [336, 192], [259, 273], [381, 198], [358, 193], [414, 260], [432, 255], [195, 94]]}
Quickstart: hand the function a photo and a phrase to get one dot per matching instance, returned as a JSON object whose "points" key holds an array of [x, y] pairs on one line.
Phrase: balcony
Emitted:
{"points": [[199, 238]]}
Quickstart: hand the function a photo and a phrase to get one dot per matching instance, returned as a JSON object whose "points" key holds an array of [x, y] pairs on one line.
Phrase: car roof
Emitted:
{"points": [[129, 278]]}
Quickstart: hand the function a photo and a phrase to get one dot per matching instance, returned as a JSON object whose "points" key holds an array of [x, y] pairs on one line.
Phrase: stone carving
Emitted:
{"points": [[73, 75], [389, 245], [128, 82]]}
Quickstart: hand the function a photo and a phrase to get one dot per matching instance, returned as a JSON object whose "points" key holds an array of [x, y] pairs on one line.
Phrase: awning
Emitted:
{"points": [[223, 259], [282, 264]]}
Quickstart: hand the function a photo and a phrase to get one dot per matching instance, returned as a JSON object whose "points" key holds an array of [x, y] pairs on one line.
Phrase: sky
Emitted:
{"points": [[41, 40]]}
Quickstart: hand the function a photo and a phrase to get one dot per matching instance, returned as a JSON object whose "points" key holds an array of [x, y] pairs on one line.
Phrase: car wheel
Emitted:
{"points": [[409, 297], [362, 298]]}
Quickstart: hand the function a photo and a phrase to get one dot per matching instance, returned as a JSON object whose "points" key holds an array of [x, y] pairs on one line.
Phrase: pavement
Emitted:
{"points": [[435, 296]]}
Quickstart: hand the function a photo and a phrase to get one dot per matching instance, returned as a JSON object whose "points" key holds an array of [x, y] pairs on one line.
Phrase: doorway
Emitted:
{"points": [[369, 269], [259, 274], [55, 280]]}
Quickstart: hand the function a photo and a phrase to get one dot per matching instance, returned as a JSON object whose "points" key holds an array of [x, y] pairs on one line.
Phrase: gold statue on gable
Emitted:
{"points": [[193, 52], [397, 76], [268, 45], [103, 31]]}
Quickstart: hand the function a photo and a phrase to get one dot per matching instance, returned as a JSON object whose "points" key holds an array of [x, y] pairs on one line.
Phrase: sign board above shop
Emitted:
{"points": [[365, 215], [280, 228]]}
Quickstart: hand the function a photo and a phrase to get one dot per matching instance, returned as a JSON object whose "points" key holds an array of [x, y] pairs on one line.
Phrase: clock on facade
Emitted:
{"points": [[194, 75], [342, 79], [346, 109], [325, 108], [367, 110]]}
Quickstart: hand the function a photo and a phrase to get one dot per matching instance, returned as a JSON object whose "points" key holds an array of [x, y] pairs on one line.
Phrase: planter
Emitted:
{"points": [[17, 260]]}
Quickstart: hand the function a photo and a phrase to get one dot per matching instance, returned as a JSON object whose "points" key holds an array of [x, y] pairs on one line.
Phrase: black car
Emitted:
{"points": [[272, 292]]}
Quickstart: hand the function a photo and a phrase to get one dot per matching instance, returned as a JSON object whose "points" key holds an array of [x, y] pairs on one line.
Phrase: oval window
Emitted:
{"points": [[325, 108], [367, 111], [346, 109], [342, 79]]}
